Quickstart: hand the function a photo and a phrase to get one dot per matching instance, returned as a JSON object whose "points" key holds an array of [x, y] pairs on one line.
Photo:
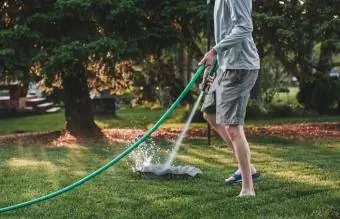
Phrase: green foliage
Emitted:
{"points": [[273, 78], [58, 40], [56, 36], [321, 93], [255, 109], [292, 30], [275, 110]]}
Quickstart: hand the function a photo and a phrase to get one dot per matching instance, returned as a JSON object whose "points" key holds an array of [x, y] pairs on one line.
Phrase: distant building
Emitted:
{"points": [[335, 72]]}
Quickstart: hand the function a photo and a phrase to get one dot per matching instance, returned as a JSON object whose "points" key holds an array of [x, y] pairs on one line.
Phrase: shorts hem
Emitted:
{"points": [[231, 122]]}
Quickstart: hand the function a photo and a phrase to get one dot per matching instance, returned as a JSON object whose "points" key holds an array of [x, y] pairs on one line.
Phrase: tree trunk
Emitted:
{"points": [[78, 106], [181, 66], [326, 58]]}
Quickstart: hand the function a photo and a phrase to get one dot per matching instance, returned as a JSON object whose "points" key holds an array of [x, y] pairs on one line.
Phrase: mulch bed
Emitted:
{"points": [[303, 132]]}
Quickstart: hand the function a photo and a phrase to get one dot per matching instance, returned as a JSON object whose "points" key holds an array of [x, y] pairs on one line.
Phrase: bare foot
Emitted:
{"points": [[245, 194]]}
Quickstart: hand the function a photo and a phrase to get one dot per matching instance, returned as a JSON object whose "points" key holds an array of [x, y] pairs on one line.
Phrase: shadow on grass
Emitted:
{"points": [[321, 154], [123, 194]]}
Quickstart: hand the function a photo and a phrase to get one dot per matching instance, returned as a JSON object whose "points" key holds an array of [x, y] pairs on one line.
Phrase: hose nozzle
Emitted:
{"points": [[210, 73]]}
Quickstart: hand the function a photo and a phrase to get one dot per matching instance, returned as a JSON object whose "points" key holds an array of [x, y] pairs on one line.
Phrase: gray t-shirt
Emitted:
{"points": [[235, 45]]}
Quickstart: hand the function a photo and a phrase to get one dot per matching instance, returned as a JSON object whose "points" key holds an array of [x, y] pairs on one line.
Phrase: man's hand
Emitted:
{"points": [[208, 58], [207, 80]]}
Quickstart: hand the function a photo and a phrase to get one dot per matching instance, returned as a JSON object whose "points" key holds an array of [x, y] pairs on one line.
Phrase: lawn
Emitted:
{"points": [[34, 123], [126, 118], [300, 179], [139, 118]]}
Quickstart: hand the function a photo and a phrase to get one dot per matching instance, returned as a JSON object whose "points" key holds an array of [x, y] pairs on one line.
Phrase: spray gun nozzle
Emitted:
{"points": [[210, 74]]}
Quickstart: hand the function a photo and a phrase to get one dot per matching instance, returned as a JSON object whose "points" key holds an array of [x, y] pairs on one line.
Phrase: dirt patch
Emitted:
{"points": [[303, 132]]}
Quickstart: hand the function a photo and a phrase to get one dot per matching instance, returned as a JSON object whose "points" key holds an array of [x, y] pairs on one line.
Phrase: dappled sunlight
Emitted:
{"points": [[66, 140], [70, 146], [224, 158], [54, 176], [260, 154], [305, 178], [283, 180], [174, 202], [79, 173], [270, 156], [76, 159], [102, 124], [31, 164], [267, 157], [222, 150], [295, 171], [195, 161], [76, 155]]}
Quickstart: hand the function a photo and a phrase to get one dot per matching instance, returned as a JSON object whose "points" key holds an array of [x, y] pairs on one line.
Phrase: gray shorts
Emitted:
{"points": [[228, 96]]}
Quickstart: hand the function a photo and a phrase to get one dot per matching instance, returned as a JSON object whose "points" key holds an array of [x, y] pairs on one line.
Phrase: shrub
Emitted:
{"points": [[320, 93], [280, 110], [255, 109]]}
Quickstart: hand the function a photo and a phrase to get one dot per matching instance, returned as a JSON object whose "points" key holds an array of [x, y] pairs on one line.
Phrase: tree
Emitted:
{"points": [[175, 59], [62, 38], [291, 29]]}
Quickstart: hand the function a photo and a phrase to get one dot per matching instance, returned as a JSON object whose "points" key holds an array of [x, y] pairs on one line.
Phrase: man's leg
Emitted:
{"points": [[222, 132], [242, 153], [220, 129]]}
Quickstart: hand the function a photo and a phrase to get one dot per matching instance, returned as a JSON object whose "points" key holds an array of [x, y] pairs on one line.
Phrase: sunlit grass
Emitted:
{"points": [[136, 118], [16, 163], [299, 180], [34, 123]]}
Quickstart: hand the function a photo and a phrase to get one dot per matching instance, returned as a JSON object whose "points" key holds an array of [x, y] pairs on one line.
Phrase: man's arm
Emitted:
{"points": [[243, 26]]}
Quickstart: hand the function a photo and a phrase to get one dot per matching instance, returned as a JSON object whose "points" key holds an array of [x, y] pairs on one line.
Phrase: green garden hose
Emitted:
{"points": [[115, 160]]}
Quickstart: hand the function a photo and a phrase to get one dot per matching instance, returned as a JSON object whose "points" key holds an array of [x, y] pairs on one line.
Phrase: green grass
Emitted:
{"points": [[299, 180], [139, 117], [35, 123]]}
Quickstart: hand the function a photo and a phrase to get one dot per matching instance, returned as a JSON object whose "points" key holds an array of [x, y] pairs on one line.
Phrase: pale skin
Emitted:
{"points": [[234, 136]]}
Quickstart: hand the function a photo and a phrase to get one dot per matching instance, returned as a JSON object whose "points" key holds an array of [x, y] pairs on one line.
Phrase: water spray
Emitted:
{"points": [[167, 170]]}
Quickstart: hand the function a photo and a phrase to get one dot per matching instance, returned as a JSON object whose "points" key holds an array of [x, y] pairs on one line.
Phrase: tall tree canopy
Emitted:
{"points": [[62, 38], [302, 34], [76, 40]]}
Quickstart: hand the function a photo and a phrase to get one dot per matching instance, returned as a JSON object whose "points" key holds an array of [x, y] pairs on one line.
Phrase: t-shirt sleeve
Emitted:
{"points": [[243, 25]]}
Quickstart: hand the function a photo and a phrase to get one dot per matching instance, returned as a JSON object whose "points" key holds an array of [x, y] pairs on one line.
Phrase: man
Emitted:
{"points": [[225, 103]]}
